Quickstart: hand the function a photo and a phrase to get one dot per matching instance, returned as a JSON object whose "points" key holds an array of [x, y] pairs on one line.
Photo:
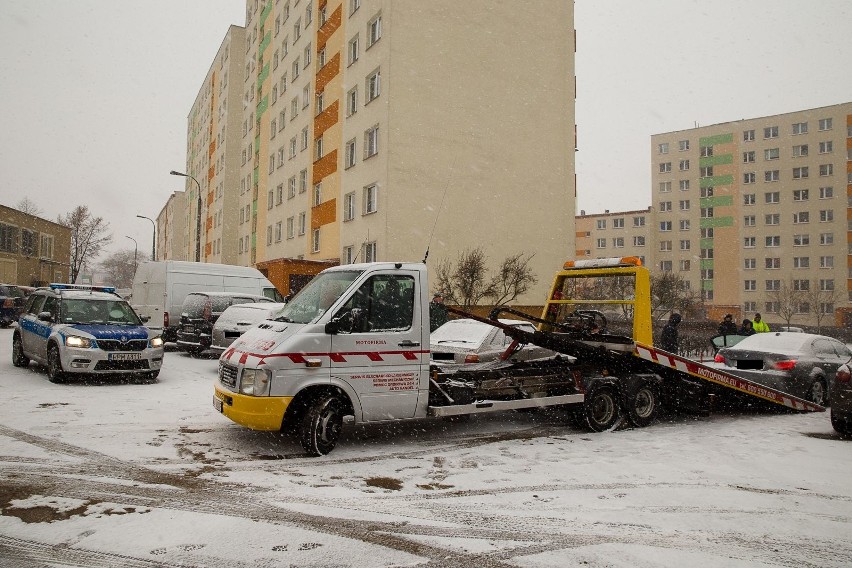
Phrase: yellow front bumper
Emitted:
{"points": [[255, 412]]}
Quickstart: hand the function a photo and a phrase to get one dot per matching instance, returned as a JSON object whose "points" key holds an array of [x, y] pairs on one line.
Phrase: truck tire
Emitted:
{"points": [[18, 357], [321, 425], [643, 404], [54, 365], [601, 408]]}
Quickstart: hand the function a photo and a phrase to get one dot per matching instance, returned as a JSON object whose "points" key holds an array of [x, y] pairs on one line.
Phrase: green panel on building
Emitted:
{"points": [[261, 106], [716, 222], [265, 12], [706, 284], [706, 264], [705, 243], [255, 176], [718, 139], [261, 77], [716, 181], [267, 37], [717, 201], [716, 160]]}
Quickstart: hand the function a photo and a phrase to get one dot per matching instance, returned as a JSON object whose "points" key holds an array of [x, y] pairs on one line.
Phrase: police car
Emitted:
{"points": [[75, 329]]}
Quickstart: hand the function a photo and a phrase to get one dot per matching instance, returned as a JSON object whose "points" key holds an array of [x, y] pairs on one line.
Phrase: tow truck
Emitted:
{"points": [[355, 342]]}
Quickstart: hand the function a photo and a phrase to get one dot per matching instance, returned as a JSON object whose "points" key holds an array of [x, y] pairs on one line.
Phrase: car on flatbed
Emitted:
{"points": [[83, 330]]}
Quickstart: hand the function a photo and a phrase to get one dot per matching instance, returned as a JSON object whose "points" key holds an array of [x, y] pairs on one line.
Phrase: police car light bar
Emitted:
{"points": [[604, 262], [60, 286]]}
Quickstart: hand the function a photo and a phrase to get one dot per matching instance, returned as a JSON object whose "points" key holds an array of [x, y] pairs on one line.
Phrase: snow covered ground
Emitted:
{"points": [[108, 474]]}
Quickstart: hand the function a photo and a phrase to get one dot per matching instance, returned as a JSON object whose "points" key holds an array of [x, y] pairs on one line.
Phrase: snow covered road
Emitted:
{"points": [[112, 474]]}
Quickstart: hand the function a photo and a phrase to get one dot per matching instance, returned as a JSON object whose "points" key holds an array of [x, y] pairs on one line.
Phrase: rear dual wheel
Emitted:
{"points": [[601, 410], [643, 404]]}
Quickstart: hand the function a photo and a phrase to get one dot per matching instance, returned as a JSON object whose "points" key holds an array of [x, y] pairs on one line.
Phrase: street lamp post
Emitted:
{"points": [[198, 216], [153, 237], [135, 252]]}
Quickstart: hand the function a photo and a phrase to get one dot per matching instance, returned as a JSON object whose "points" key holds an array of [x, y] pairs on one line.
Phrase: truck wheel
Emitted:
{"points": [[54, 365], [601, 408], [18, 357], [642, 405], [816, 393], [321, 425]]}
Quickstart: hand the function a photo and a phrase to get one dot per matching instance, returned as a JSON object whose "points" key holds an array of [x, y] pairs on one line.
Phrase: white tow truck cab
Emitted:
{"points": [[354, 342]]}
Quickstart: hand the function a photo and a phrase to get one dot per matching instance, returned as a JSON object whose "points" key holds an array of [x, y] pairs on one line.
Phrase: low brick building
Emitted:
{"points": [[33, 251]]}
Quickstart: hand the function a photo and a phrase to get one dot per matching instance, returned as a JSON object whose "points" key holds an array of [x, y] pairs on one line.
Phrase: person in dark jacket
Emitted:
{"points": [[728, 327], [746, 328], [669, 339], [437, 312]]}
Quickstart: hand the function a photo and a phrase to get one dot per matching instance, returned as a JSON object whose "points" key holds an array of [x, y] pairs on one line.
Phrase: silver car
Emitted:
{"points": [[236, 319], [471, 341], [801, 364]]}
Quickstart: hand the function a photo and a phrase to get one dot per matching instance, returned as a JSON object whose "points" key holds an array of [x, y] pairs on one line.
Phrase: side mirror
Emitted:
{"points": [[333, 327], [145, 319], [45, 316]]}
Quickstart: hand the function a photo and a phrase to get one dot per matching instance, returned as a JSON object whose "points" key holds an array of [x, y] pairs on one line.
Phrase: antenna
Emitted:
{"points": [[366, 240], [440, 208]]}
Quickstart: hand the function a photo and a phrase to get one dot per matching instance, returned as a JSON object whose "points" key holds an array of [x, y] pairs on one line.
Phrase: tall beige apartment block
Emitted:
{"points": [[171, 229], [213, 157], [745, 210], [373, 129]]}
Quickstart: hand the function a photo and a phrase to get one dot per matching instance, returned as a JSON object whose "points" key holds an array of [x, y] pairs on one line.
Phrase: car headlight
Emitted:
{"points": [[156, 341], [255, 382], [77, 341]]}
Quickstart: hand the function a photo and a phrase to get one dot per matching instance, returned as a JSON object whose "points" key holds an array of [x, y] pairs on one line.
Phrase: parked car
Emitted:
{"points": [[199, 313], [470, 341], [236, 319], [801, 364], [841, 399], [11, 304], [75, 329]]}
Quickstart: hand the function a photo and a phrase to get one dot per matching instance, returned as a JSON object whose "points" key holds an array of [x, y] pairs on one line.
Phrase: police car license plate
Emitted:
{"points": [[125, 356], [217, 404]]}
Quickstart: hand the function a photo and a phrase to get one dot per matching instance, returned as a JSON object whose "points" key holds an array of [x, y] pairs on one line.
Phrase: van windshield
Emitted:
{"points": [[320, 293]]}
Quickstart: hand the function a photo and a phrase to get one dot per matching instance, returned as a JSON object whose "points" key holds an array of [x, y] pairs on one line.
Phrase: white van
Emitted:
{"points": [[160, 287]]}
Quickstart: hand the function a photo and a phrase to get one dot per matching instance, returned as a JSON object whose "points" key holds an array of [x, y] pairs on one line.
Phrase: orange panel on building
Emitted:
{"points": [[326, 119], [329, 71], [330, 26], [325, 166], [323, 214]]}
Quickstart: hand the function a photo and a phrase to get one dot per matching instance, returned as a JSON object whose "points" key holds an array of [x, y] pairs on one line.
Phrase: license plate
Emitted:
{"points": [[125, 356], [217, 404]]}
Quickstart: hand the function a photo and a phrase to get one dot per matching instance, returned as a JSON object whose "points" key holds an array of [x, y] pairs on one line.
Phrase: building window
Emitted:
{"points": [[749, 199], [374, 85], [750, 242], [770, 132], [601, 243], [749, 221], [826, 147], [665, 246], [800, 151], [800, 128], [826, 284], [684, 204], [349, 154], [706, 171], [665, 206], [773, 286], [374, 31], [772, 263], [666, 265], [352, 101], [683, 145], [706, 212], [685, 265], [318, 149], [295, 70], [800, 173], [601, 223], [825, 124], [371, 252], [773, 219], [706, 191], [665, 186], [269, 235], [684, 185], [618, 242], [826, 192], [663, 148], [349, 206], [303, 181], [750, 263], [348, 255], [826, 215], [618, 223], [771, 153], [800, 195], [801, 262], [305, 138], [705, 151], [665, 167], [748, 157], [371, 142], [315, 240], [685, 244], [353, 50], [748, 135], [772, 175], [826, 262], [683, 165], [772, 197], [279, 194], [639, 221], [291, 187], [291, 229], [302, 218], [684, 224], [772, 241], [801, 240], [278, 232], [665, 226], [371, 199], [826, 170], [317, 194], [292, 153], [801, 217], [638, 241], [750, 285]]}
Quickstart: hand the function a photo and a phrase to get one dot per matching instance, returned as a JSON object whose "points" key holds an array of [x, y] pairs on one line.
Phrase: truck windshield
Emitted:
{"points": [[314, 299]]}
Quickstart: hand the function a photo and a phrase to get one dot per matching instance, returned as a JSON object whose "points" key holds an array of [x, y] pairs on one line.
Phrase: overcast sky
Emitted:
{"points": [[94, 94]]}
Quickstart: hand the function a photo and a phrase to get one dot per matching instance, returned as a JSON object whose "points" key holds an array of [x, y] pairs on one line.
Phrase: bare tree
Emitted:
{"points": [[821, 303], [671, 293], [28, 206], [89, 235], [465, 282], [513, 278], [121, 267], [788, 300]]}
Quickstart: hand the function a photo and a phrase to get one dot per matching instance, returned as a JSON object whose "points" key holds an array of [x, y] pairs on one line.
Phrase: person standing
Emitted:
{"points": [[728, 327], [746, 328], [669, 340], [759, 325], [437, 312]]}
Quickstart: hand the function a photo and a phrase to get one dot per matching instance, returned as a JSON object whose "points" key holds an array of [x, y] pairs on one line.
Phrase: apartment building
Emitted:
{"points": [[33, 251], [171, 229], [373, 130], [214, 142], [750, 209], [607, 234]]}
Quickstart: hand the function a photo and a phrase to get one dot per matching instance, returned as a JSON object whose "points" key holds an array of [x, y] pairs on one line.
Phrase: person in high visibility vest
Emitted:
{"points": [[758, 325]]}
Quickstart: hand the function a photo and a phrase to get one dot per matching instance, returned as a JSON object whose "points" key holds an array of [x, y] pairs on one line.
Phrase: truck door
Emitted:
{"points": [[378, 351]]}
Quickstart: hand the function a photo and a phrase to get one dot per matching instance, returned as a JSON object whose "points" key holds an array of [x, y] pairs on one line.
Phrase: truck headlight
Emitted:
{"points": [[77, 341], [156, 341], [255, 382]]}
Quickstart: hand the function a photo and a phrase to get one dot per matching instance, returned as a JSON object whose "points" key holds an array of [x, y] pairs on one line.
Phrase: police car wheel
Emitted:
{"points": [[54, 365], [18, 357]]}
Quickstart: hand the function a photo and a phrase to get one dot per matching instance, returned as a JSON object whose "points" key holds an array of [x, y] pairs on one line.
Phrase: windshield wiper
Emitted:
{"points": [[283, 319]]}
